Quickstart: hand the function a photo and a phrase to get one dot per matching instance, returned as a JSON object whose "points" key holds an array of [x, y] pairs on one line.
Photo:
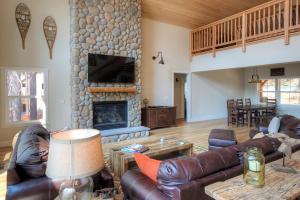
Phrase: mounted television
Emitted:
{"points": [[110, 69]]}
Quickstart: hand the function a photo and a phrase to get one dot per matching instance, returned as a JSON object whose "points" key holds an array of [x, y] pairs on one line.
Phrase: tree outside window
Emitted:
{"points": [[286, 91], [290, 91], [26, 96], [267, 89]]}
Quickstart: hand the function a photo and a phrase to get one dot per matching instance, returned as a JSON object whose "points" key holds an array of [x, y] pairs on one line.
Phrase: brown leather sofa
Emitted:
{"points": [[185, 178], [289, 125]]}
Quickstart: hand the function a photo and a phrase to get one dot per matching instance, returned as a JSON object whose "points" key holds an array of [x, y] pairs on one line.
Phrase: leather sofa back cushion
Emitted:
{"points": [[33, 150], [285, 122], [267, 144], [182, 170]]}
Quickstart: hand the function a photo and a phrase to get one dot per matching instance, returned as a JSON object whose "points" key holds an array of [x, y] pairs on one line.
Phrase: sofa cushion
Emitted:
{"points": [[33, 150], [182, 170], [285, 121], [274, 125], [267, 144]]}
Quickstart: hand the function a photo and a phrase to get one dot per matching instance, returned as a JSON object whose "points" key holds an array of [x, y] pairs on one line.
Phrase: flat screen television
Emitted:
{"points": [[110, 69]]}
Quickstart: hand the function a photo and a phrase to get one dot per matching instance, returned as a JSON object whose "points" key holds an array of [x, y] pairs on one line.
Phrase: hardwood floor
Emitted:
{"points": [[197, 133]]}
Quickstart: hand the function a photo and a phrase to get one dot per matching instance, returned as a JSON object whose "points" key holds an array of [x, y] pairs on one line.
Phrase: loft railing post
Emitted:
{"points": [[214, 40], [191, 45], [244, 31], [286, 21]]}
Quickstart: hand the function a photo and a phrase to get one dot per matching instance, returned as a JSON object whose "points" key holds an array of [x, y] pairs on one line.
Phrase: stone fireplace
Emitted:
{"points": [[110, 115], [110, 27]]}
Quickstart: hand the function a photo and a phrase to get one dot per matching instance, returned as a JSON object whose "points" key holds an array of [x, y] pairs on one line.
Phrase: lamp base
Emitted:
{"points": [[77, 189]]}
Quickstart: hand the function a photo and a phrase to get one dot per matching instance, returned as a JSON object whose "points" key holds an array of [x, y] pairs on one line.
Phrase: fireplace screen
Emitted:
{"points": [[110, 115]]}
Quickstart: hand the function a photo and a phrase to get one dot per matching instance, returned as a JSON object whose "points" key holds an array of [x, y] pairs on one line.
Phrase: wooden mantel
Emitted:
{"points": [[111, 89]]}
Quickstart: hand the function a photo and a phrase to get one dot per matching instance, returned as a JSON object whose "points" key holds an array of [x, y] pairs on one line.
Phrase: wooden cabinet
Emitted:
{"points": [[158, 116]]}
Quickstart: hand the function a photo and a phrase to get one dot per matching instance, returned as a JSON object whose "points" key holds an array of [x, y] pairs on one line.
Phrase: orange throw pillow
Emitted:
{"points": [[148, 166]]}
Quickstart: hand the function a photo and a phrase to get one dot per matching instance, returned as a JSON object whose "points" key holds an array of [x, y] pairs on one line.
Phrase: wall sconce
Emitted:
{"points": [[161, 58]]}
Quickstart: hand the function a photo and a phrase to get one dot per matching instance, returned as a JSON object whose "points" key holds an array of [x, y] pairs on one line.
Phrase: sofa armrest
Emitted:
{"points": [[137, 186], [33, 189], [253, 132], [12, 177]]}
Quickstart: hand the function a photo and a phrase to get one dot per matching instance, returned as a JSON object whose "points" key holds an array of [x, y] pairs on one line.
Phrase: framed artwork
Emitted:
{"points": [[277, 71]]}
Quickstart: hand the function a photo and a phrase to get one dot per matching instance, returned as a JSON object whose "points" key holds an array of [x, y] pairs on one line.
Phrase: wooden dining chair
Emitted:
{"points": [[271, 112], [255, 114], [234, 116], [247, 102], [239, 103]]}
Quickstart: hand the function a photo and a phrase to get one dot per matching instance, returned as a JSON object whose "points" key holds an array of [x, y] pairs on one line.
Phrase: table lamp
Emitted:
{"points": [[74, 156]]}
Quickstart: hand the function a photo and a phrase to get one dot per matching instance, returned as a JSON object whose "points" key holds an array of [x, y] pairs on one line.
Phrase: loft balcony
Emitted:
{"points": [[274, 19]]}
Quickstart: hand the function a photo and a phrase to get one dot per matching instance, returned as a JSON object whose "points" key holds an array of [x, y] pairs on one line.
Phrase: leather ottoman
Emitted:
{"points": [[220, 138]]}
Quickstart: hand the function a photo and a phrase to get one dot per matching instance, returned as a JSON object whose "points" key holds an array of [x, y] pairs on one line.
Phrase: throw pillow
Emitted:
{"points": [[259, 135], [274, 125], [33, 151], [148, 166]]}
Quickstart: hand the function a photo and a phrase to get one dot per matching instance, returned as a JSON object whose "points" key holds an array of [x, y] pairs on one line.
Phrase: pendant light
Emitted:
{"points": [[255, 77]]}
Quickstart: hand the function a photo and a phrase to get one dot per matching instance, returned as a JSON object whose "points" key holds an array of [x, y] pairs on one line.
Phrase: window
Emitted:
{"points": [[290, 91], [286, 91], [268, 89], [25, 92]]}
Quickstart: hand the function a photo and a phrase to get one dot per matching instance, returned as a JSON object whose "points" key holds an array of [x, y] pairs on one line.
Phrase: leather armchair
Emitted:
{"points": [[21, 187]]}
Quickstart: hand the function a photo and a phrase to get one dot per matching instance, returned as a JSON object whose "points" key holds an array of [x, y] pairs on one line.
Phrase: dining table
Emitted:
{"points": [[249, 109]]}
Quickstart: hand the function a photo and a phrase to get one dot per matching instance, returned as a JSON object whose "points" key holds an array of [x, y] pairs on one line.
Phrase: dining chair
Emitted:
{"points": [[234, 116], [239, 103], [247, 102], [271, 112], [255, 114]]}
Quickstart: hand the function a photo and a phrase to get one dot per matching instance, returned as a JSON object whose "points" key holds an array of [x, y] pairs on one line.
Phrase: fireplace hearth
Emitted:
{"points": [[110, 115]]}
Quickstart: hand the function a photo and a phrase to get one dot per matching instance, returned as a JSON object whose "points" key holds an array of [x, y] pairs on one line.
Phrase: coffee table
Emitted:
{"points": [[278, 185], [171, 147]]}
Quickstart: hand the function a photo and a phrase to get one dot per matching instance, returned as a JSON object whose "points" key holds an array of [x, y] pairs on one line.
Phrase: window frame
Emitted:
{"points": [[261, 91], [289, 92], [5, 119], [278, 91]]}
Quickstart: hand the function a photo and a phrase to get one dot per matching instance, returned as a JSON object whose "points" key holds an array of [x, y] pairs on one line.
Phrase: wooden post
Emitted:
{"points": [[214, 41], [191, 45], [286, 21], [244, 31]]}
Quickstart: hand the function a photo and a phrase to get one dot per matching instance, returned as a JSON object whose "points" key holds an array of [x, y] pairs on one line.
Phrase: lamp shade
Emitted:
{"points": [[74, 154]]}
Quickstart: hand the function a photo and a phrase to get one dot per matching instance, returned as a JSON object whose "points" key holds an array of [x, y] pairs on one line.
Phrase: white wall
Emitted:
{"points": [[210, 91], [292, 70], [173, 41], [36, 55], [262, 53]]}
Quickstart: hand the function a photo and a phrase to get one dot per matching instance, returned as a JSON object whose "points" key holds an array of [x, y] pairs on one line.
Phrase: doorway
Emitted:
{"points": [[180, 97]]}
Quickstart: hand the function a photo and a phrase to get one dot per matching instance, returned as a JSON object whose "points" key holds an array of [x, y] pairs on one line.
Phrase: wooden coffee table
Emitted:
{"points": [[171, 147], [278, 185]]}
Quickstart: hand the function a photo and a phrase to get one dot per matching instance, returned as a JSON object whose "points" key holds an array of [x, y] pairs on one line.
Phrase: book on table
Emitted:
{"points": [[135, 148]]}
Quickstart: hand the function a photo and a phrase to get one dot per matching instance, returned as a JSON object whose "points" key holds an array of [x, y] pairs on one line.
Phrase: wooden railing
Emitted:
{"points": [[272, 19]]}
